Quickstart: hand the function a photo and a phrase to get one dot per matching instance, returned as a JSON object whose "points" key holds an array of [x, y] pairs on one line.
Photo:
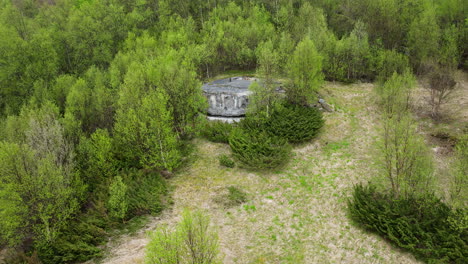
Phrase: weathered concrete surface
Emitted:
{"points": [[228, 97]]}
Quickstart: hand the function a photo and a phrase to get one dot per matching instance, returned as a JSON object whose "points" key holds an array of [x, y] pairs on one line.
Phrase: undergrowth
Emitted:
{"points": [[425, 226]]}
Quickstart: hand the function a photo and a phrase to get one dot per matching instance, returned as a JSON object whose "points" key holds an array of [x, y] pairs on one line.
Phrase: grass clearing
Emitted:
{"points": [[296, 214]]}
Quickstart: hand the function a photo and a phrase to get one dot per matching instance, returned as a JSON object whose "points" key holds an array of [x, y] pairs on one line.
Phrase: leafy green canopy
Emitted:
{"points": [[305, 73], [40, 190]]}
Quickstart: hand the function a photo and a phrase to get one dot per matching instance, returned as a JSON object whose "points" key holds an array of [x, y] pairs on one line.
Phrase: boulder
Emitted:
{"points": [[325, 106]]}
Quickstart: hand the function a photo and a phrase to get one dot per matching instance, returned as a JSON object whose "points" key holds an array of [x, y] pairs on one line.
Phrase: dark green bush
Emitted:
{"points": [[217, 131], [254, 124], [80, 240], [425, 226], [295, 123], [225, 161], [147, 192], [258, 149]]}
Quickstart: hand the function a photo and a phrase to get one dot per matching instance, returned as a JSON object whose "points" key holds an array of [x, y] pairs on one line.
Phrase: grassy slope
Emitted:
{"points": [[296, 214]]}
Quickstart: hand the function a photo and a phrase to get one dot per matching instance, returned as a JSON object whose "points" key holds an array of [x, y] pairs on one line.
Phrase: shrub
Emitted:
{"points": [[295, 123], [225, 161], [423, 225], [459, 188], [147, 192], [258, 149], [441, 84], [254, 124], [80, 240], [217, 131], [388, 62], [233, 197], [118, 202], [193, 241]]}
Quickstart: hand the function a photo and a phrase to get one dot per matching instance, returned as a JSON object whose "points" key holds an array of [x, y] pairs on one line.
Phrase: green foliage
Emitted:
{"points": [[449, 54], [310, 22], [234, 197], [425, 226], [264, 95], [232, 34], [41, 190], [60, 90], [349, 58], [118, 201], [11, 70], [93, 33], [166, 246], [459, 188], [146, 192], [406, 161], [305, 72], [225, 161], [79, 241], [177, 77], [258, 149], [395, 93], [144, 135], [285, 47], [124, 76], [192, 241], [254, 124], [216, 131], [388, 62], [89, 101], [423, 38], [96, 158], [295, 123]]}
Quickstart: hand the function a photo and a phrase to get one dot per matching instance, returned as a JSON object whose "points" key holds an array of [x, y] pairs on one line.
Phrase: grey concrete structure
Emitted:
{"points": [[228, 97]]}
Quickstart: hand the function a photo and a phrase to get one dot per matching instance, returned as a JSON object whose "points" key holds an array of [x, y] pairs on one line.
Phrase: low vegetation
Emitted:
{"points": [[295, 123], [226, 161], [217, 131], [259, 150], [423, 225], [233, 197], [192, 241]]}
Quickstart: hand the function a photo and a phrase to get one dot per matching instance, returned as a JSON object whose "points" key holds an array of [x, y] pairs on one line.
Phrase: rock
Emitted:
{"points": [[325, 106], [166, 174]]}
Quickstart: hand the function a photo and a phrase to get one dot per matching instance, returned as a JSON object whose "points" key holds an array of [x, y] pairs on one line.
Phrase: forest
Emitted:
{"points": [[103, 122]]}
